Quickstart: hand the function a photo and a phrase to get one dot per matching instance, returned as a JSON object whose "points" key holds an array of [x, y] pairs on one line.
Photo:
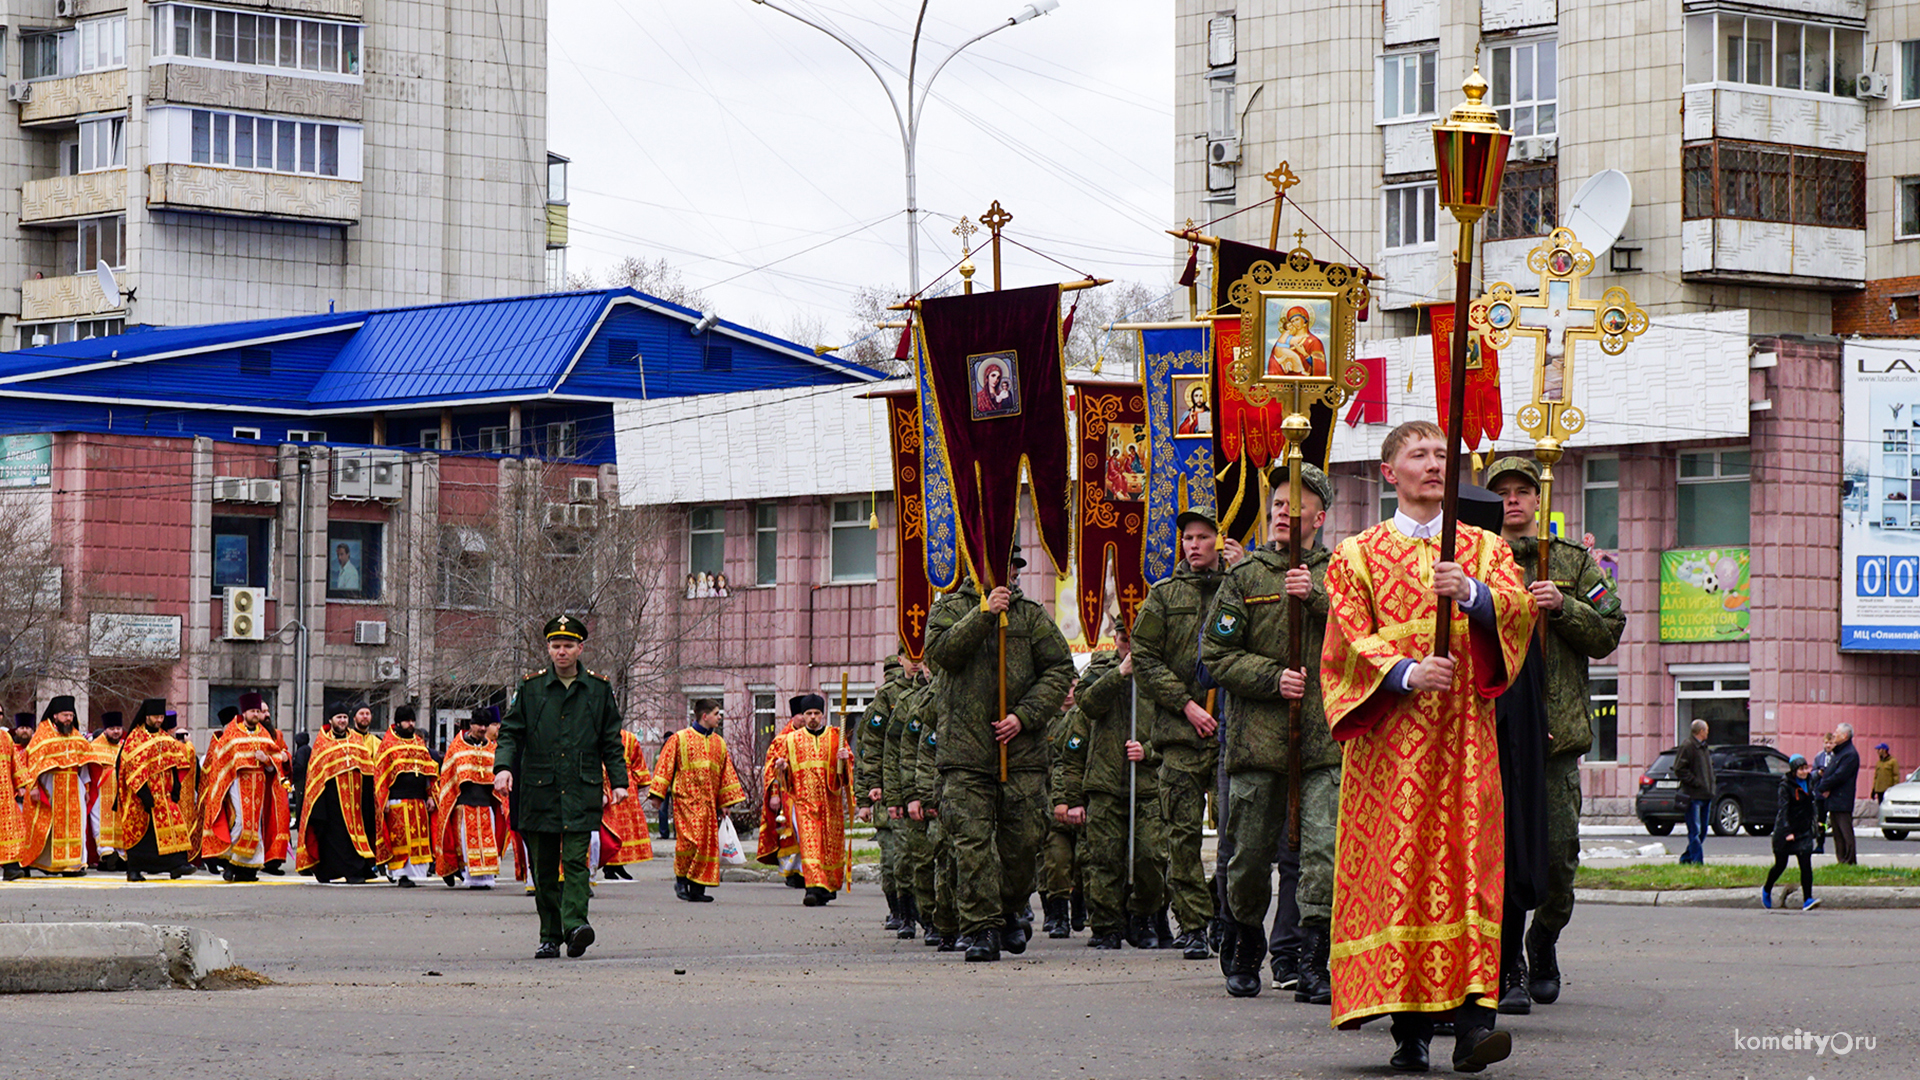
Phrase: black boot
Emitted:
{"points": [[12, 872], [985, 947], [948, 942], [135, 875], [1514, 999], [1077, 909], [909, 918], [1226, 942], [1193, 945], [697, 893], [1013, 934], [1109, 940], [893, 912], [1543, 964], [933, 936], [1140, 932], [1163, 930], [1286, 971], [1243, 973], [1475, 1048], [816, 897], [1411, 1037], [1059, 918], [1316, 985], [679, 886]]}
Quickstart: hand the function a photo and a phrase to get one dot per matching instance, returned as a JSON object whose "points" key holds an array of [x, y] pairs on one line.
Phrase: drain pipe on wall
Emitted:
{"points": [[303, 644]]}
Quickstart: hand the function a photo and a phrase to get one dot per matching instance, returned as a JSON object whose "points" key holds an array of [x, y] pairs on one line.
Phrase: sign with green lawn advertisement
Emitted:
{"points": [[1704, 594]]}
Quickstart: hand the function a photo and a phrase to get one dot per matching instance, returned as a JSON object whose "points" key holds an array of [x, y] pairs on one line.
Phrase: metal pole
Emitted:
{"points": [[1133, 774], [303, 639], [1456, 416]]}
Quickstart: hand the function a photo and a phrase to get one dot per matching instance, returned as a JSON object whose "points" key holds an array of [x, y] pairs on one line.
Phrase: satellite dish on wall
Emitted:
{"points": [[109, 285], [1599, 210]]}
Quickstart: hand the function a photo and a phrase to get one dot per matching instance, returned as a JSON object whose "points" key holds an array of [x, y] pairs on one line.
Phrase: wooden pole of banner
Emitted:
{"points": [[846, 790], [995, 219]]}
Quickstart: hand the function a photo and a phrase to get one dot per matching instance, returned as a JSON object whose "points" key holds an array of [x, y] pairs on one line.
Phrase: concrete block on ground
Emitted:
{"points": [[65, 957], [193, 954]]}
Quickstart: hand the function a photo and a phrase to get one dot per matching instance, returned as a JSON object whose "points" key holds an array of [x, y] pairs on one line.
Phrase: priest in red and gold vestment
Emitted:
{"points": [[55, 781], [1419, 871], [779, 842], [403, 774], [696, 772], [809, 772], [624, 838], [13, 824], [153, 797], [337, 818], [469, 817], [103, 839]]}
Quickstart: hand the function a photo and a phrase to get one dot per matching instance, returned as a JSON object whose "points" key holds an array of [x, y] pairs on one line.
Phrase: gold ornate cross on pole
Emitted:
{"points": [[965, 231], [996, 219], [1281, 178]]}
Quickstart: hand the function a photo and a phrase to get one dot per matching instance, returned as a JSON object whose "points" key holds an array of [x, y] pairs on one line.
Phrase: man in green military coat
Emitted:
{"points": [[1580, 607], [560, 731], [920, 787], [1246, 648], [870, 747], [996, 828], [1166, 658]]}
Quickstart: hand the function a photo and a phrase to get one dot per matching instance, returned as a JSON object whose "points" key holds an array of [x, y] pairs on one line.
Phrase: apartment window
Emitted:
{"points": [[1910, 71], [855, 546], [1720, 700], [353, 560], [1601, 492], [92, 45], [1220, 43], [766, 543], [1410, 216], [706, 541], [242, 551], [1223, 127], [1767, 182], [1714, 498], [846, 708], [466, 573], [496, 440], [1525, 87], [430, 438], [297, 435], [1778, 54], [1406, 85], [238, 141], [766, 718], [246, 433], [1222, 119], [1909, 224], [102, 145], [563, 440], [101, 239], [33, 335], [1603, 709], [313, 46], [1529, 202], [556, 178]]}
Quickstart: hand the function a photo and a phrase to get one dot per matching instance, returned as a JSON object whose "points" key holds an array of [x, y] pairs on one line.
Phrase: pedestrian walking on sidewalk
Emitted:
{"points": [[1793, 831]]}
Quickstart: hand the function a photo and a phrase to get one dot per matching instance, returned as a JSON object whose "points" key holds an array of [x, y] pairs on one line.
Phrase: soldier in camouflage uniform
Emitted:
{"points": [[1060, 869], [870, 760], [1090, 786], [933, 883], [997, 828], [1246, 648], [902, 737], [1166, 655], [1584, 622]]}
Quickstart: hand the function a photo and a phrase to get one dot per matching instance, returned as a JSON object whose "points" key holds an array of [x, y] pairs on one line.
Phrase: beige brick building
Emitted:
{"points": [[1771, 150], [257, 158]]}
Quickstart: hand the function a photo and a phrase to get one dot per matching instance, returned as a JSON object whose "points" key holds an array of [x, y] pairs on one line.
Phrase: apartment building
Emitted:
{"points": [[254, 158], [1770, 150]]}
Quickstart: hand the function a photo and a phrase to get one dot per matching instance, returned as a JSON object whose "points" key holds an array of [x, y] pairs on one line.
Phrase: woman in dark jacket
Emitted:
{"points": [[1793, 831]]}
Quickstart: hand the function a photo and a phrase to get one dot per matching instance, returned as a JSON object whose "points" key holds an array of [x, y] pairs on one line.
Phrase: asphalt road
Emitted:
{"points": [[1870, 844], [376, 981]]}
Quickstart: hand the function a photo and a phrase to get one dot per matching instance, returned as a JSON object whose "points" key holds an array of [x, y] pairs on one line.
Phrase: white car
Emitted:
{"points": [[1900, 809]]}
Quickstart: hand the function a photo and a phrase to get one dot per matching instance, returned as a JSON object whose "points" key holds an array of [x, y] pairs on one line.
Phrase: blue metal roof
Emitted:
{"points": [[445, 354]]}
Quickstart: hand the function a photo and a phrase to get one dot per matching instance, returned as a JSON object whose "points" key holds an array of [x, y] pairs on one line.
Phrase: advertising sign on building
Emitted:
{"points": [[134, 637], [1704, 595], [1880, 485], [26, 460]]}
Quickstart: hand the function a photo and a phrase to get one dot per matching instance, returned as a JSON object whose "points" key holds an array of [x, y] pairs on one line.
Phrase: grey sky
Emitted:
{"points": [[723, 136]]}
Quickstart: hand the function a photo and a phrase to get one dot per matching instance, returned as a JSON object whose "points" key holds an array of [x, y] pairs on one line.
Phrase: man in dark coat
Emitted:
{"points": [[1693, 767], [560, 731], [1837, 785]]}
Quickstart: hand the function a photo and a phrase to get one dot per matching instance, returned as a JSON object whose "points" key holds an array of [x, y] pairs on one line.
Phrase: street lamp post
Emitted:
{"points": [[916, 96], [1469, 155]]}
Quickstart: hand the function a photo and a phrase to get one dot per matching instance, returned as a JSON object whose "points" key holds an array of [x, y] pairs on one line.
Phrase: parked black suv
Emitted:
{"points": [[1747, 790]]}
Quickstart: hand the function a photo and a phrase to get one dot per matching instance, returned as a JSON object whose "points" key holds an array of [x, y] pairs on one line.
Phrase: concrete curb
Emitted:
{"points": [[41, 958], [1852, 897]]}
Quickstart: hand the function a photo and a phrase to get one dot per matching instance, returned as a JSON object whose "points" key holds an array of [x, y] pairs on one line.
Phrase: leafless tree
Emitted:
{"points": [[655, 277], [1117, 351]]}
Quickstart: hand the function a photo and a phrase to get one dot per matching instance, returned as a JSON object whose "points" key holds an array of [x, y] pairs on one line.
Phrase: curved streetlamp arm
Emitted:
{"points": [[899, 120], [913, 113]]}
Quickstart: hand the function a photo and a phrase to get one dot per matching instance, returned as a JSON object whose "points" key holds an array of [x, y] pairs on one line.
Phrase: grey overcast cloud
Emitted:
{"points": [[760, 158]]}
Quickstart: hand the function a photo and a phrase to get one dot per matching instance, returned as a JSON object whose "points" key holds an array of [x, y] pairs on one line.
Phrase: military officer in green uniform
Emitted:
{"points": [[921, 778], [1060, 855], [1581, 607], [909, 835], [870, 760], [1246, 648], [558, 734], [1166, 658], [1091, 787], [996, 828]]}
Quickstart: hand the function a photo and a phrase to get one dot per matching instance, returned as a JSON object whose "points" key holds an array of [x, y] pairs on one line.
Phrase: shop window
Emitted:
{"points": [[1714, 499], [242, 552], [353, 560], [1719, 700], [1603, 707]]}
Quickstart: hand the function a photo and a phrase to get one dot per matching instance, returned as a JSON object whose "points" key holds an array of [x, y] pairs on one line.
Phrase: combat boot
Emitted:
{"points": [[1013, 935], [909, 918], [985, 947], [1286, 970], [1077, 909], [1109, 940], [948, 942], [1543, 963], [1060, 923], [933, 936], [893, 912], [1243, 973], [1514, 999], [1163, 930], [1315, 985], [1140, 932]]}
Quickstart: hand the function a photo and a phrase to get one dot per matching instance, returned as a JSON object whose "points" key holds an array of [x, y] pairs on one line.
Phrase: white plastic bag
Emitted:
{"points": [[730, 852]]}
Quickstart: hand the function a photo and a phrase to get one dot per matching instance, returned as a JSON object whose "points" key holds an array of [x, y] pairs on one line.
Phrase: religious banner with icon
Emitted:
{"points": [[1179, 460], [993, 364], [1485, 415], [914, 591], [940, 549], [1113, 456]]}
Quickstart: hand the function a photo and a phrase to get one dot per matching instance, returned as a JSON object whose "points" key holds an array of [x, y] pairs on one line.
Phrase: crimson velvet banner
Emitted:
{"points": [[915, 592], [994, 362], [1114, 467], [1485, 416]]}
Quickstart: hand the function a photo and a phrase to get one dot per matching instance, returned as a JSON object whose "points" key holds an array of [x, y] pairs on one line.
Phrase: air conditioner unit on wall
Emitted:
{"points": [[583, 515], [1223, 151], [583, 489], [1536, 147], [66, 9], [232, 489], [387, 474], [369, 632], [557, 516], [387, 669], [263, 491], [1873, 84], [246, 614], [20, 92], [352, 475]]}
